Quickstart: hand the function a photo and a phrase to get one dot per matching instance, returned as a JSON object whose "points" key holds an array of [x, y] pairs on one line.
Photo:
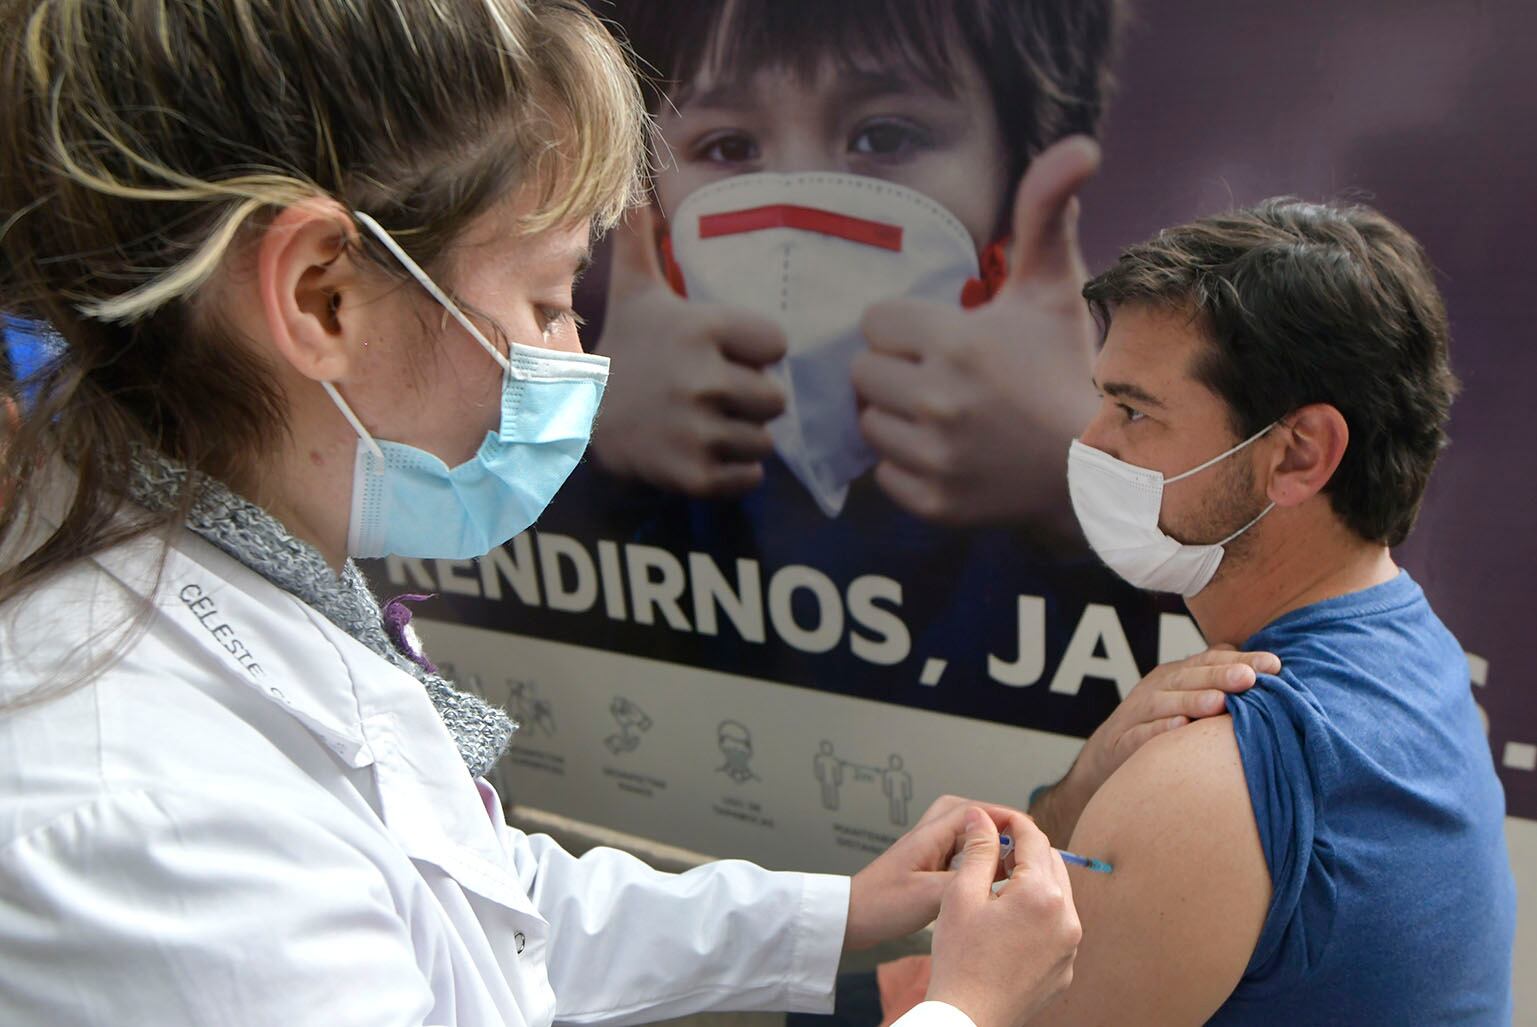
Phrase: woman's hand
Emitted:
{"points": [[1000, 957], [900, 891]]}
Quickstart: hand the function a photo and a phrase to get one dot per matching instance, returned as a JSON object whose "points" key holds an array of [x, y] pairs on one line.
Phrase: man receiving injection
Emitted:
{"points": [[1275, 390]]}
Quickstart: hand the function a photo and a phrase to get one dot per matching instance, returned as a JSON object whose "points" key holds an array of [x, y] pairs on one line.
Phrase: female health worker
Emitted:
{"points": [[311, 262]]}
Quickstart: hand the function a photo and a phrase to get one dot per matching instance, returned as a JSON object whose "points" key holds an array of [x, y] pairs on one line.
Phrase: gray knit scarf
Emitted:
{"points": [[256, 538]]}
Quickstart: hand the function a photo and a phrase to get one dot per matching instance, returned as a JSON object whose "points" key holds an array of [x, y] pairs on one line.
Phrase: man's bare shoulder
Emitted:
{"points": [[1168, 935], [1179, 795]]}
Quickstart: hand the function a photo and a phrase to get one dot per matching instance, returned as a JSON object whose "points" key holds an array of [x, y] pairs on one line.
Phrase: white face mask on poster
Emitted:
{"points": [[1118, 506], [813, 251]]}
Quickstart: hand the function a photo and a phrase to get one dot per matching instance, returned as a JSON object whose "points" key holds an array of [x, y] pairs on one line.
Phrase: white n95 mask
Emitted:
{"points": [[407, 502], [1118, 505], [813, 251]]}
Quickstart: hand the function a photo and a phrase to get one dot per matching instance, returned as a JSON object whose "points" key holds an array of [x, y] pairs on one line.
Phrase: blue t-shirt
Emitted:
{"points": [[1382, 823]]}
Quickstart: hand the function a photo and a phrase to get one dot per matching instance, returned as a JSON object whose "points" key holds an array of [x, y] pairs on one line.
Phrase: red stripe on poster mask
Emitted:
{"points": [[807, 219]]}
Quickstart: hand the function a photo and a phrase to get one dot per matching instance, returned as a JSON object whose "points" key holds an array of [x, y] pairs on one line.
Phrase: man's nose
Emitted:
{"points": [[1097, 433]]}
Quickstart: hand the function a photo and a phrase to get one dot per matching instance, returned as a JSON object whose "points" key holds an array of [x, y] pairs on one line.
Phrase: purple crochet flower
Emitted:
{"points": [[397, 616]]}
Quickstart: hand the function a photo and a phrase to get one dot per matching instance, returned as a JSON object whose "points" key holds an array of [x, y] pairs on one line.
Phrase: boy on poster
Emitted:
{"points": [[851, 340]]}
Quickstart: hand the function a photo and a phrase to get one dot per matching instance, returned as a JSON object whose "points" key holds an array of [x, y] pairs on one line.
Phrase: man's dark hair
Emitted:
{"points": [[1312, 303], [1046, 63]]}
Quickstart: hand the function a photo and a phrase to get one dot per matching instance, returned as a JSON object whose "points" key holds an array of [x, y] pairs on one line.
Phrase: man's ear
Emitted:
{"points": [[310, 289], [1312, 441]]}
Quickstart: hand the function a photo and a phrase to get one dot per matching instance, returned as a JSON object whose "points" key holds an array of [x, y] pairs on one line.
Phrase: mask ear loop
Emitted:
{"points": [[1246, 527], [1222, 456], [432, 287], [352, 419], [426, 282]]}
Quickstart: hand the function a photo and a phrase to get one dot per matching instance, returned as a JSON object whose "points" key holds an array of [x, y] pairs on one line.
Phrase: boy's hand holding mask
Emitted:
{"points": [[687, 407], [971, 412]]}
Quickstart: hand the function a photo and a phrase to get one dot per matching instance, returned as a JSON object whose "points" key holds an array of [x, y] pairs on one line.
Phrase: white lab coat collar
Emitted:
{"points": [[253, 631], [367, 711]]}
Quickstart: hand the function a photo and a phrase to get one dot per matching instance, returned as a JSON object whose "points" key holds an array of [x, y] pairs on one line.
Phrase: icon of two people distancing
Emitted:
{"points": [[832, 772]]}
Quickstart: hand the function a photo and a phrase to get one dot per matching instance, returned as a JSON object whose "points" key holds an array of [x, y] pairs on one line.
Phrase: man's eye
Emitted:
{"points": [[726, 148], [1131, 414], [888, 137]]}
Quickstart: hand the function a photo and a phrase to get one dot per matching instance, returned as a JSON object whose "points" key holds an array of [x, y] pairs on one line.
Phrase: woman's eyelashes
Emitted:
{"points": [[555, 321]]}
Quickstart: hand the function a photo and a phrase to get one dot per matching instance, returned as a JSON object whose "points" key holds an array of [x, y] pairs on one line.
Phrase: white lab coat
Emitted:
{"points": [[250, 818]]}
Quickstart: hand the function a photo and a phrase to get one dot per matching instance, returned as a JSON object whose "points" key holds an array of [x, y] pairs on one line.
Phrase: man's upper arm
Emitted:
{"points": [[1167, 936]]}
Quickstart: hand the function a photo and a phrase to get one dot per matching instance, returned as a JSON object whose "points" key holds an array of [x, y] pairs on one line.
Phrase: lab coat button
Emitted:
{"points": [[518, 939]]}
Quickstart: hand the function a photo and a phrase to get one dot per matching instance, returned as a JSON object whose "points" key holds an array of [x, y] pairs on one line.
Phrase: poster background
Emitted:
{"points": [[1423, 109]]}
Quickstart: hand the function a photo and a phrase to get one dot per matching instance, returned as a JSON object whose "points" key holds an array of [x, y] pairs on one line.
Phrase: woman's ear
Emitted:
{"points": [[1313, 440], [310, 289]]}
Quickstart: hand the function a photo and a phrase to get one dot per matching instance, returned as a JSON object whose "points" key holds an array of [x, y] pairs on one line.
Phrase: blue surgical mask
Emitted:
{"points": [[408, 502]]}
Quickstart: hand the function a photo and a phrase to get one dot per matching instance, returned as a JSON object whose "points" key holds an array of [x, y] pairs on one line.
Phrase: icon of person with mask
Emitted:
{"points": [[735, 743]]}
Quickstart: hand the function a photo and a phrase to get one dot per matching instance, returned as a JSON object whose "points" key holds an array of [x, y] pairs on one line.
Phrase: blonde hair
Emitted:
{"points": [[142, 139]]}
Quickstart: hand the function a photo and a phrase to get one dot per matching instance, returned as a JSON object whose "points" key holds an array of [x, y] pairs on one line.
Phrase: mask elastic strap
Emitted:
{"points": [[1246, 527], [352, 419], [432, 287], [1222, 456]]}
